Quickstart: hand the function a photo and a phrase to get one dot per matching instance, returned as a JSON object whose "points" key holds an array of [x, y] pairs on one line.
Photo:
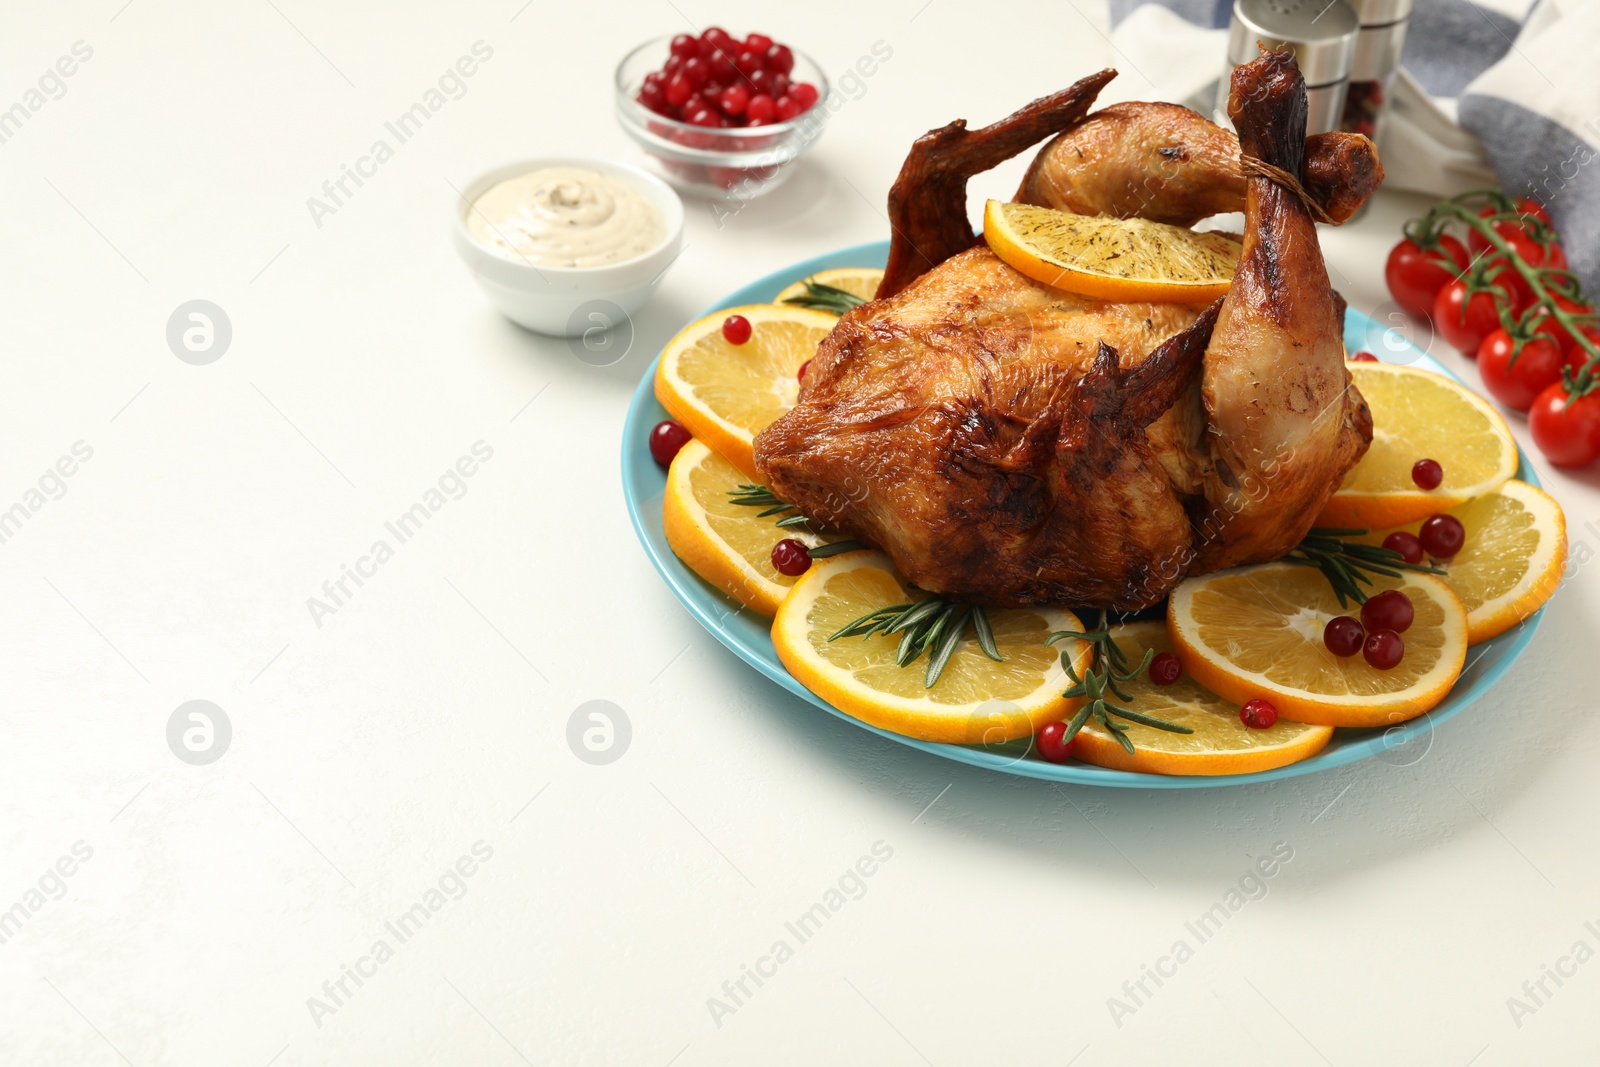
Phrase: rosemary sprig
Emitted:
{"points": [[1107, 667], [935, 626], [1348, 565], [759, 496], [826, 298]]}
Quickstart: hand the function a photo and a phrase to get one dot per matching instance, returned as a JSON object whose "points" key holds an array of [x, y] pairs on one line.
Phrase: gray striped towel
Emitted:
{"points": [[1497, 92]]}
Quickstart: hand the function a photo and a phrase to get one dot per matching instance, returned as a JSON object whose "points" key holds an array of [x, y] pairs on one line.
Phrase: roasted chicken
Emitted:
{"points": [[1010, 443]]}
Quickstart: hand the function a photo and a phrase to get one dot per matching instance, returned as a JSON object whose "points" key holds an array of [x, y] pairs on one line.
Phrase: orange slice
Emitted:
{"points": [[1257, 632], [857, 281], [725, 394], [726, 543], [1513, 558], [1220, 744], [975, 701], [1111, 259], [1417, 414]]}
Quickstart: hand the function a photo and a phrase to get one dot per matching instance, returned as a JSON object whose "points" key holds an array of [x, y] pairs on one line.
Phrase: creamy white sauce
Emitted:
{"points": [[566, 217]]}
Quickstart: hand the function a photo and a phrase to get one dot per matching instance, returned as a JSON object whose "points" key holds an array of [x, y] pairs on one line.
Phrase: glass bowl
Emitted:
{"points": [[717, 164]]}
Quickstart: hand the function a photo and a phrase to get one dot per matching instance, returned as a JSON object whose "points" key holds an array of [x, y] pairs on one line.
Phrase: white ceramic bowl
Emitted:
{"points": [[552, 300]]}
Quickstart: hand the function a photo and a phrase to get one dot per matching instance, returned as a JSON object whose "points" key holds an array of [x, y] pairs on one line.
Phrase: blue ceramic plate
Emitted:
{"points": [[644, 483]]}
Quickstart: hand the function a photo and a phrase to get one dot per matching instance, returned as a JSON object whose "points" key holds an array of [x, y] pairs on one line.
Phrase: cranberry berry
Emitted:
{"points": [[1363, 357], [665, 441], [1389, 610], [760, 109], [1258, 714], [1052, 742], [1165, 668], [1442, 536], [1343, 636], [1383, 650], [736, 329], [790, 557], [1408, 545], [780, 60], [1427, 474]]}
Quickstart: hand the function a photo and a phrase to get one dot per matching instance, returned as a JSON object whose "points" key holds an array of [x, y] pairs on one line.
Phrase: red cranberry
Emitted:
{"points": [[1389, 610], [1427, 473], [736, 329], [666, 439], [801, 374], [780, 60], [678, 89], [697, 70], [1165, 668], [759, 43], [1343, 635], [786, 108], [759, 109], [804, 94], [1052, 742], [780, 85], [716, 37], [747, 62], [653, 97], [761, 83], [734, 99], [790, 557], [685, 46], [1383, 649], [1363, 357], [1258, 714], [1408, 545], [1442, 536], [704, 116]]}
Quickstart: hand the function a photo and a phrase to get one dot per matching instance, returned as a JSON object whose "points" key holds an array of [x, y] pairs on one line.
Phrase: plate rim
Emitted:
{"points": [[695, 595]]}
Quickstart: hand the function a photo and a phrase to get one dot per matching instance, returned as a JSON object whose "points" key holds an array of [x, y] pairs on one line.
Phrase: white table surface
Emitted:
{"points": [[430, 712]]}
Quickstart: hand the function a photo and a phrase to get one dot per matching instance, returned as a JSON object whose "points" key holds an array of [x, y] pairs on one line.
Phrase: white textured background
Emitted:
{"points": [[369, 754]]}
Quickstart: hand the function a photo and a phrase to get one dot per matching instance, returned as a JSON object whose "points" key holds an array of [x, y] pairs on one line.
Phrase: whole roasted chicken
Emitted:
{"points": [[1011, 443]]}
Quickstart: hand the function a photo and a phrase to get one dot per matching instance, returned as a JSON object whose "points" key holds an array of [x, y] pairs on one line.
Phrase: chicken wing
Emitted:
{"points": [[1165, 163]]}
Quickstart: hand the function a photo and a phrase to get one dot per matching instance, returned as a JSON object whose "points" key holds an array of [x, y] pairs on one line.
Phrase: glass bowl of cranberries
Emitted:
{"points": [[718, 116]]}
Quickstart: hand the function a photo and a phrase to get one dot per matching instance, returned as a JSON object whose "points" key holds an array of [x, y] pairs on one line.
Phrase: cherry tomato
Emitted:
{"points": [[1551, 326], [1462, 321], [1516, 380], [1519, 235], [1526, 206], [1415, 276], [1577, 356], [1568, 435]]}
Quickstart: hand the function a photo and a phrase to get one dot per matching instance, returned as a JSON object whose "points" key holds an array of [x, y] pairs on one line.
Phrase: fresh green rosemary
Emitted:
{"points": [[1108, 666], [1350, 564], [935, 626], [826, 298], [759, 496]]}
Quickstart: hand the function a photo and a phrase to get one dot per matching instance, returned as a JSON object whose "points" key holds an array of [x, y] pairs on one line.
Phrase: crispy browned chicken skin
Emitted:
{"points": [[1011, 443]]}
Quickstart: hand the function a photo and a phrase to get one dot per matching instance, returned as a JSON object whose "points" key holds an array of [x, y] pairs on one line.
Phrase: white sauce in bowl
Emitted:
{"points": [[566, 217]]}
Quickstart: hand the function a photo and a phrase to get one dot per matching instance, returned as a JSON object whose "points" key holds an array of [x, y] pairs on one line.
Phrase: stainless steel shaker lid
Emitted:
{"points": [[1322, 34]]}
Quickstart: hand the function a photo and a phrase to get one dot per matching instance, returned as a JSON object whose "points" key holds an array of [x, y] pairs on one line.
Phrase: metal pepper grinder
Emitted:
{"points": [[1323, 37], [1377, 58]]}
